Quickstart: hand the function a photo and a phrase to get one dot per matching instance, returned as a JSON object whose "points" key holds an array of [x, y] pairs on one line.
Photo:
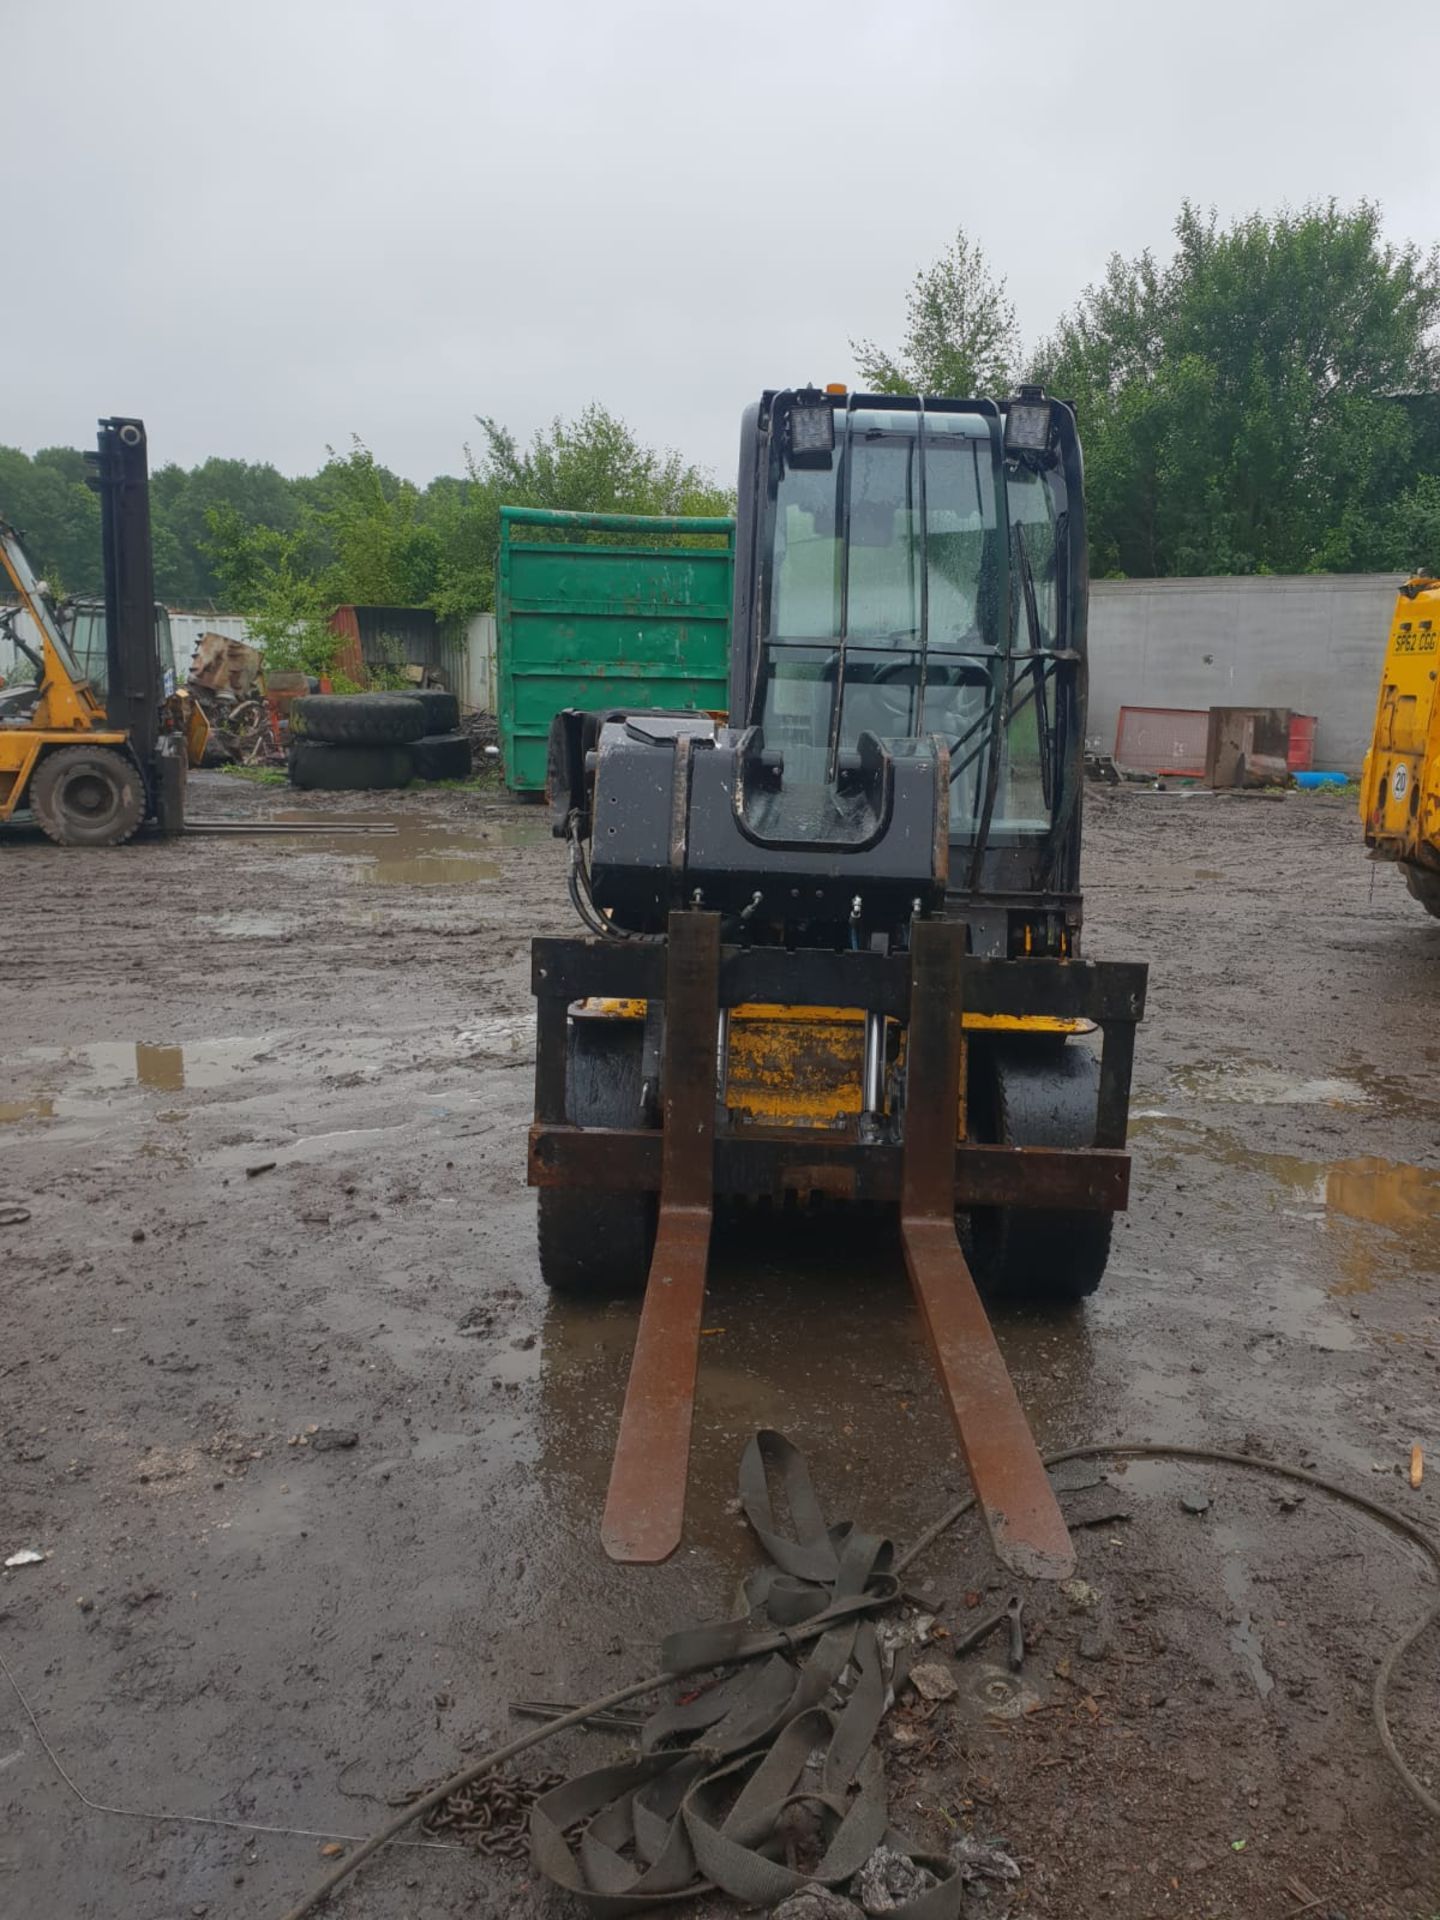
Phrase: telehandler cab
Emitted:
{"points": [[834, 945], [91, 769]]}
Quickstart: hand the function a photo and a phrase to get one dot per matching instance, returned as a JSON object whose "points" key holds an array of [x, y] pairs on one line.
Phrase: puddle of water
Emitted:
{"points": [[1254, 1086], [794, 1306], [1368, 1191], [249, 926], [527, 828], [1245, 1641], [447, 867], [417, 853], [160, 1067], [109, 1066], [500, 1034], [85, 1081]]}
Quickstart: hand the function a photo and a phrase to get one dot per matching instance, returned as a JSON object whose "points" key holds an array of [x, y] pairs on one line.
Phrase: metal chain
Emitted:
{"points": [[491, 1814]]}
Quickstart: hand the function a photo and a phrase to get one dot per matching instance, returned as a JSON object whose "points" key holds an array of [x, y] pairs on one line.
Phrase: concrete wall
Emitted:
{"points": [[1312, 642]]}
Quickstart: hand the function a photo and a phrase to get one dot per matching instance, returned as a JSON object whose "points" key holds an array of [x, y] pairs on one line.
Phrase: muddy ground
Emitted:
{"points": [[231, 1624]]}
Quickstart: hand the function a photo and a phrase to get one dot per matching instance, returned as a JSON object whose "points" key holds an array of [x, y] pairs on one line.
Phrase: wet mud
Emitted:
{"points": [[266, 1102]]}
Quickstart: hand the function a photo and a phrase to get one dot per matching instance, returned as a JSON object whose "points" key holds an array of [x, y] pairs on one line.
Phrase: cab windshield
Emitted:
{"points": [[900, 630]]}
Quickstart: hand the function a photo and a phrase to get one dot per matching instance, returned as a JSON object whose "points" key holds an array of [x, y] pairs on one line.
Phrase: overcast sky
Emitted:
{"points": [[265, 227]]}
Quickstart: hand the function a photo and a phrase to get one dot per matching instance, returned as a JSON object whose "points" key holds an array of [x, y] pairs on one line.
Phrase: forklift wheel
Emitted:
{"points": [[1425, 887], [87, 797], [591, 1242], [1038, 1095]]}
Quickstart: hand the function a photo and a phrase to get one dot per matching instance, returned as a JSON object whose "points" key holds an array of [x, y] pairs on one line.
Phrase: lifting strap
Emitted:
{"points": [[705, 1804]]}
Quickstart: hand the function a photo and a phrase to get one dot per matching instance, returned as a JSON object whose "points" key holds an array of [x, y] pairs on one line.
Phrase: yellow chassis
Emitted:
{"points": [[803, 1066], [1400, 785], [20, 751]]}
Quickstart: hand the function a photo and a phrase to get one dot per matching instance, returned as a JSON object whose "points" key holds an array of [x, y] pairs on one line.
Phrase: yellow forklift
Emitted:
{"points": [[833, 946], [92, 771], [1400, 786]]}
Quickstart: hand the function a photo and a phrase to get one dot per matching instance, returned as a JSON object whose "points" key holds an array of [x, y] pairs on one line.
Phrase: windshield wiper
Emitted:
{"points": [[1044, 738]]}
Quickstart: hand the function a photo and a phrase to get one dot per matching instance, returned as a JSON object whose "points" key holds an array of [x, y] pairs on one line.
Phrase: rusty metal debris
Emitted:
{"points": [[1011, 1616], [492, 1814], [220, 665]]}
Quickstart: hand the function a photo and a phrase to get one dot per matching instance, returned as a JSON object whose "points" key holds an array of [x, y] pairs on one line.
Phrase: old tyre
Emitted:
{"points": [[443, 756], [358, 719], [441, 709], [336, 769], [87, 797], [1038, 1094], [1425, 887], [592, 1242]]}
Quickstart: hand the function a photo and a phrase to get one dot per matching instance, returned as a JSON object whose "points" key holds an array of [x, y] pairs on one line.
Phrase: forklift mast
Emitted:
{"points": [[120, 475]]}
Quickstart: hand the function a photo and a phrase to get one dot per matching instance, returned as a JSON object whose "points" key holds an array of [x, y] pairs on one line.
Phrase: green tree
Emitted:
{"points": [[593, 464], [181, 500], [960, 333], [286, 552], [276, 580], [1239, 404], [47, 499]]}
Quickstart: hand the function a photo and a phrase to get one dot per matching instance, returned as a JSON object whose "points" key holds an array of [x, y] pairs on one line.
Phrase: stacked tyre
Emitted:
{"points": [[442, 752], [349, 742]]}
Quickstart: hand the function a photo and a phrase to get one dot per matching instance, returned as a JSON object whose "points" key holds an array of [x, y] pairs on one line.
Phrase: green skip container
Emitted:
{"points": [[592, 611]]}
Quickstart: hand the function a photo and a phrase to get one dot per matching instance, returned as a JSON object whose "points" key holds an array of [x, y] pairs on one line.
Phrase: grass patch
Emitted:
{"points": [[486, 781], [259, 776]]}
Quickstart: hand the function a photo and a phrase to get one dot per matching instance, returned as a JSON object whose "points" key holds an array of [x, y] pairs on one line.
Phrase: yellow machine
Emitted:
{"points": [[89, 771], [832, 942], [1400, 786]]}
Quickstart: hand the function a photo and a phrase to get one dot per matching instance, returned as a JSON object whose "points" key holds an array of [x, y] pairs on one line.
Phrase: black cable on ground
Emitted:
{"points": [[1213, 1456], [811, 1629]]}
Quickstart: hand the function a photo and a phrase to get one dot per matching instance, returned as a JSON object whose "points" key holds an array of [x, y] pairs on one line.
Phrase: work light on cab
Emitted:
{"points": [[1027, 422], [812, 435]]}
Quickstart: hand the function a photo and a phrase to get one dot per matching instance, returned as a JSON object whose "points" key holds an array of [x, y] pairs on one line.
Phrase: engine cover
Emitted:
{"points": [[681, 808]]}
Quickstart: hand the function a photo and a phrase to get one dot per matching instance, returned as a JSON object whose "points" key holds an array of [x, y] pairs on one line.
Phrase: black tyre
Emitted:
{"points": [[592, 1242], [87, 797], [316, 764], [442, 710], [1038, 1094], [1425, 887], [358, 719], [443, 756]]}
